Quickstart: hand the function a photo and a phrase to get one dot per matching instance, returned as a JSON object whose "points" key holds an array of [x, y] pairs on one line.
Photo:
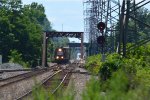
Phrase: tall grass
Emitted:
{"points": [[40, 93]]}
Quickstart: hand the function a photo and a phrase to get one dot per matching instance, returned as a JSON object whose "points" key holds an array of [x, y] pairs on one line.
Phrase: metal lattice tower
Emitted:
{"points": [[116, 14], [129, 10], [95, 11]]}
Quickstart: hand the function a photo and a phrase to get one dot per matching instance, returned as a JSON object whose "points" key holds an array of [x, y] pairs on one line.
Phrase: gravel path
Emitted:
{"points": [[79, 81]]}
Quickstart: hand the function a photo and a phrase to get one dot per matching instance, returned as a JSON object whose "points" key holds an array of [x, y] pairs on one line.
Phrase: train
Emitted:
{"points": [[62, 55]]}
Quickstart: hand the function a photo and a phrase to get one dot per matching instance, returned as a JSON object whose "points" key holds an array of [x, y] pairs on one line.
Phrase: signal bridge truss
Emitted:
{"points": [[116, 15], [95, 11]]}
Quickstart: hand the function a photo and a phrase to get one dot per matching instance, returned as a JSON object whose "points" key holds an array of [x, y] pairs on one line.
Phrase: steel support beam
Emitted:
{"points": [[139, 21], [101, 10], [126, 28], [121, 24], [82, 46], [47, 35]]}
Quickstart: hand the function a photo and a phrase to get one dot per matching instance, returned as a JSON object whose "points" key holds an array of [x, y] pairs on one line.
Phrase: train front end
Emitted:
{"points": [[61, 55]]}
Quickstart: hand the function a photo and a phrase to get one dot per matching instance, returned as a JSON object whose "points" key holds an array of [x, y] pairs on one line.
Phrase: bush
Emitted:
{"points": [[93, 63], [113, 63], [92, 91], [16, 57], [117, 87]]}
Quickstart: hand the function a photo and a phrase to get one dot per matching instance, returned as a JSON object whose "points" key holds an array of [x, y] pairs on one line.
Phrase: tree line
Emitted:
{"points": [[21, 28]]}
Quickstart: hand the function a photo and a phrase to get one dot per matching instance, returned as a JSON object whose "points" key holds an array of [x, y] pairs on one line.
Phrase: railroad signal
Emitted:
{"points": [[101, 40], [101, 26]]}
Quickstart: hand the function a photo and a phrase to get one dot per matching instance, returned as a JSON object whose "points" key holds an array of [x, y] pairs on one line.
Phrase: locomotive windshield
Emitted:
{"points": [[62, 55], [59, 53]]}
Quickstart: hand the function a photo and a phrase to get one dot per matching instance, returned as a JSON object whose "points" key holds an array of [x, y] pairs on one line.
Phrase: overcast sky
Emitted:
{"points": [[66, 15]]}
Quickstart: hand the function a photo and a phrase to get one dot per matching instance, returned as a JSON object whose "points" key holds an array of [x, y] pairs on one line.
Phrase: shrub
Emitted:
{"points": [[92, 91], [113, 63], [93, 63], [16, 57]]}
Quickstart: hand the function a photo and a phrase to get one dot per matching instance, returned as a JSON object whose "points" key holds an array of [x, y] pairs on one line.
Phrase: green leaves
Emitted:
{"points": [[16, 57], [93, 63], [92, 91], [21, 29], [124, 78]]}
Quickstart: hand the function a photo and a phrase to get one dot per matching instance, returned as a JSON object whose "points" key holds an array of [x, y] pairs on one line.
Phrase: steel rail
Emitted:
{"points": [[18, 70], [44, 81], [30, 91], [60, 84], [4, 79], [26, 69], [15, 70], [20, 77]]}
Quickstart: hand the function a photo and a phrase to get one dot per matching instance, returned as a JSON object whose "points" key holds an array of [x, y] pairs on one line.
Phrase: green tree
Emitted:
{"points": [[21, 29], [16, 57]]}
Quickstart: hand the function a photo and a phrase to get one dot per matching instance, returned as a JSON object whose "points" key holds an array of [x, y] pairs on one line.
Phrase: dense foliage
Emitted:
{"points": [[93, 63], [124, 78], [119, 78], [16, 57], [21, 28]]}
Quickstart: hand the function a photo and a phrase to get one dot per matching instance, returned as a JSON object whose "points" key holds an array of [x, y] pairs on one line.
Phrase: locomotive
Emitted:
{"points": [[62, 55]]}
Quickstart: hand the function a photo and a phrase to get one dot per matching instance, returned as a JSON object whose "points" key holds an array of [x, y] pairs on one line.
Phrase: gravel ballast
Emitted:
{"points": [[79, 81]]}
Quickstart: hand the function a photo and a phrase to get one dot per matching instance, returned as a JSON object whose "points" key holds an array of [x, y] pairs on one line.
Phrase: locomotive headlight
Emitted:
{"points": [[59, 49], [62, 57], [57, 57]]}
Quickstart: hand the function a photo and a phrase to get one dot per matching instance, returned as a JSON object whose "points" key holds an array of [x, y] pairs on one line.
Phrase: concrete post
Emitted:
{"points": [[44, 50]]}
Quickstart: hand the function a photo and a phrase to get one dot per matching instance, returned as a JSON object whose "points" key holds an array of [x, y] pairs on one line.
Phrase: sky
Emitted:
{"points": [[65, 15]]}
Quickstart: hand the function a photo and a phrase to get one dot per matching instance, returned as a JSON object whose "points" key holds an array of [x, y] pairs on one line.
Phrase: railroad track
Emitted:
{"points": [[60, 79], [27, 95], [27, 73], [16, 78], [19, 87], [14, 86]]}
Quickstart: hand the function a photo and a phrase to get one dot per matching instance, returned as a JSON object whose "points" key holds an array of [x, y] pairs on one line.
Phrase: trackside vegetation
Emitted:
{"points": [[120, 78], [123, 78], [16, 57]]}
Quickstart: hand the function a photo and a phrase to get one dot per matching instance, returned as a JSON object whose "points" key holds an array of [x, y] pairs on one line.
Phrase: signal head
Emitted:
{"points": [[101, 40], [101, 26]]}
